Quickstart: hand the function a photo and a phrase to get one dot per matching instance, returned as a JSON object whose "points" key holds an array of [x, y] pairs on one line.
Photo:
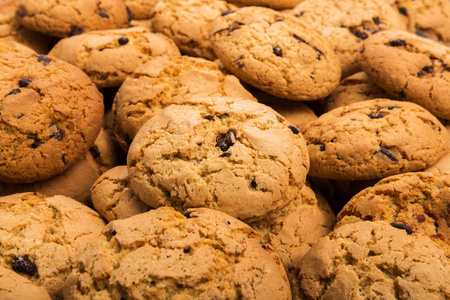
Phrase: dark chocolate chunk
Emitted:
{"points": [[234, 26], [209, 117], [359, 34], [220, 142], [94, 151], [225, 154], [20, 116], [101, 49], [420, 218], [426, 70], [228, 222], [36, 141], [277, 51], [368, 218], [402, 226], [44, 59], [403, 11], [240, 62], [129, 15], [376, 20], [199, 144], [24, 82], [112, 232], [230, 137], [23, 264], [263, 246], [300, 39], [321, 146], [388, 153], [227, 12], [253, 184], [373, 115], [21, 11], [76, 30], [397, 43], [293, 129], [123, 40], [103, 14], [187, 249], [58, 134], [14, 92]]}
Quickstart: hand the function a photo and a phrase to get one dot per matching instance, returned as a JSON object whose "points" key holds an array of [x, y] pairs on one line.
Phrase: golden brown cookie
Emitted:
{"points": [[162, 254], [51, 113], [16, 287]]}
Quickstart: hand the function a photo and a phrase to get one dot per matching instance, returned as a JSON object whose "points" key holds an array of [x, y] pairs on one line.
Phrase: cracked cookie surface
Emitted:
{"points": [[374, 139], [410, 68], [51, 113], [109, 56], [345, 24], [276, 53], [164, 81], [62, 18], [187, 22], [162, 254], [40, 236], [16, 287], [237, 156], [373, 260]]}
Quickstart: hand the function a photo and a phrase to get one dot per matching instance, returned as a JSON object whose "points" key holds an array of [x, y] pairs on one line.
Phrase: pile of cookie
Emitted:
{"points": [[205, 149]]}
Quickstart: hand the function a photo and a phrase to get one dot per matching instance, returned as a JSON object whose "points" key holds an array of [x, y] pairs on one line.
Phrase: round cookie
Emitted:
{"points": [[109, 56], [236, 156], [345, 24], [51, 113], [187, 22], [76, 181], [275, 4], [374, 139], [68, 17], [40, 236], [164, 81], [292, 230], [113, 198], [16, 287], [140, 9], [419, 200], [410, 68], [162, 254], [276, 53], [373, 260], [355, 88]]}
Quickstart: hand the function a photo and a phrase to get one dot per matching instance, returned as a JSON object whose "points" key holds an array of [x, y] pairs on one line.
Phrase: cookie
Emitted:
{"points": [[66, 18], [140, 9], [236, 156], [162, 254], [443, 164], [355, 88], [419, 200], [374, 139], [16, 287], [275, 53], [410, 68], [164, 81], [345, 24], [292, 230], [40, 236], [373, 260], [113, 198], [187, 22], [76, 181], [109, 56], [275, 4], [51, 114], [8, 45]]}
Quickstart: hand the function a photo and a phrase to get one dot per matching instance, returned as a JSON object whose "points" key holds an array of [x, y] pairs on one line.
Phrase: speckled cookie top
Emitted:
{"points": [[237, 156], [411, 68], [40, 236], [162, 254], [345, 24], [373, 260], [109, 56], [187, 22], [51, 114], [164, 81], [16, 287], [419, 200], [374, 139], [276, 53], [62, 18]]}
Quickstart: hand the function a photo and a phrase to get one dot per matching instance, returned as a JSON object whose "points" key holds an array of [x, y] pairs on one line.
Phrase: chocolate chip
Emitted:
{"points": [[420, 218], [36, 141], [94, 151], [293, 129], [220, 142], [402, 226], [263, 246], [300, 39], [123, 40], [129, 15], [234, 26], [188, 214], [209, 117], [227, 12], [368, 218], [300, 14], [426, 70], [359, 34], [112, 231], [199, 144], [75, 30], [225, 154], [103, 14], [279, 19], [240, 62], [58, 134], [321, 146], [44, 59], [253, 184], [376, 20], [225, 115], [101, 49], [14, 92], [403, 11], [24, 82], [397, 43], [230, 137], [20, 116], [187, 249], [277, 51], [390, 107], [375, 115], [388, 154], [228, 222], [21, 11], [23, 264], [319, 53]]}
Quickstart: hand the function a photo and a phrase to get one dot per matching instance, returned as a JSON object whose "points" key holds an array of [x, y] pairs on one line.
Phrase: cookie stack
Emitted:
{"points": [[212, 149]]}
